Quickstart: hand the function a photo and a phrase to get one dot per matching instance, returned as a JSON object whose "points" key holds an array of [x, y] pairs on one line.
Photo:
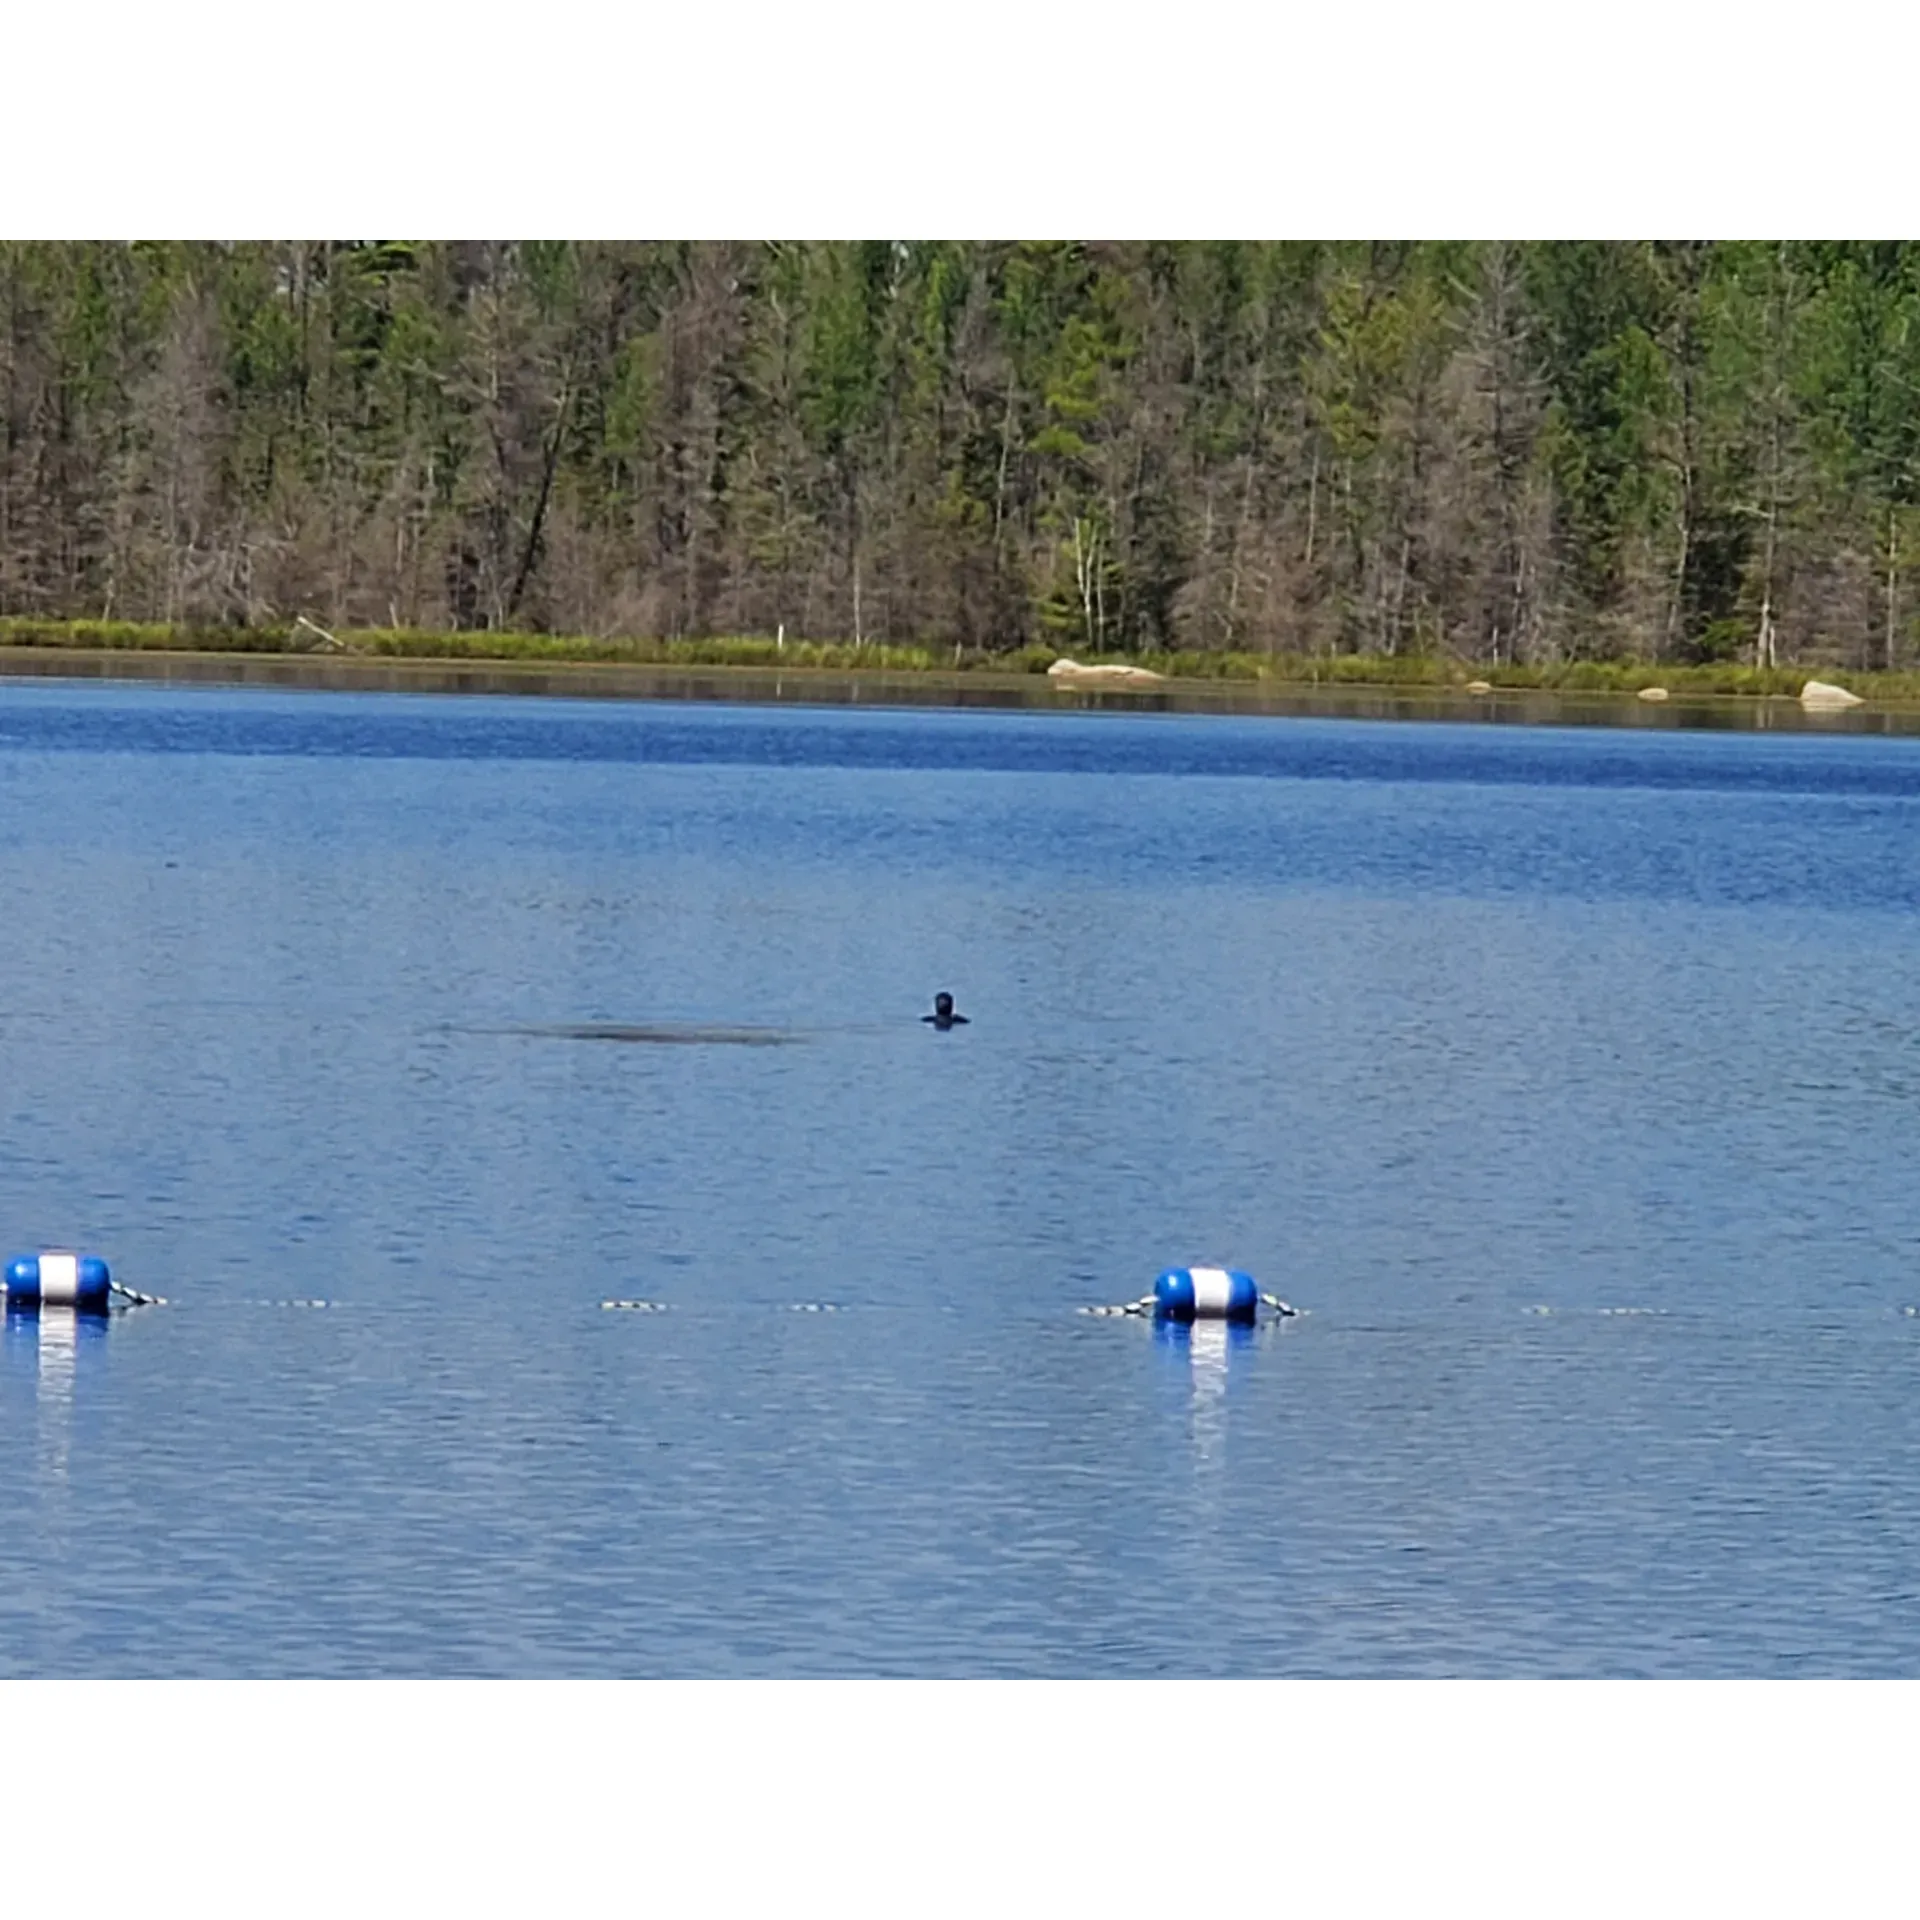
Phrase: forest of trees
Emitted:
{"points": [[1506, 453]]}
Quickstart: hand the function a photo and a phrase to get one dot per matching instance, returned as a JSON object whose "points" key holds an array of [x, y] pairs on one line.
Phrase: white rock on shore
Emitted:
{"points": [[1653, 693], [1073, 674], [1821, 694]]}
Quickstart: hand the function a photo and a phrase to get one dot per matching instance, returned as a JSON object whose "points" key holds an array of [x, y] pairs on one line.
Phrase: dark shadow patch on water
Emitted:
{"points": [[660, 1034]]}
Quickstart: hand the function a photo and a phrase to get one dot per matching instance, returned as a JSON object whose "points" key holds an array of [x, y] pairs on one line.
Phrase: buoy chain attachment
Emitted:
{"points": [[134, 1297]]}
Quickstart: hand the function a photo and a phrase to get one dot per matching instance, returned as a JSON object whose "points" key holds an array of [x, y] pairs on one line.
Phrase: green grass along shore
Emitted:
{"points": [[1411, 672]]}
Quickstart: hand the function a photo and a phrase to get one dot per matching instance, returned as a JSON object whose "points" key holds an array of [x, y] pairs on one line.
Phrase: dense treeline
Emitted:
{"points": [[1508, 453]]}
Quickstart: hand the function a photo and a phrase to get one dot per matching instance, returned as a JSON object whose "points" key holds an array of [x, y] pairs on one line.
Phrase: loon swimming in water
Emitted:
{"points": [[943, 1016]]}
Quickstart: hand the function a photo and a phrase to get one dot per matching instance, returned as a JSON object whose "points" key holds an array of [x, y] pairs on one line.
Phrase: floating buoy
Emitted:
{"points": [[1183, 1295], [55, 1279], [1206, 1293]]}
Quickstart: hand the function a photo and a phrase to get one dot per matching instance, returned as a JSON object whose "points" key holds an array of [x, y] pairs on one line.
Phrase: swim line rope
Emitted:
{"points": [[1139, 1309], [660, 1306]]}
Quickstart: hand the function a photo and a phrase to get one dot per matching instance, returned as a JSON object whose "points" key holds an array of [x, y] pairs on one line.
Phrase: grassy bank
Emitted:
{"points": [[1409, 672], [408, 644]]}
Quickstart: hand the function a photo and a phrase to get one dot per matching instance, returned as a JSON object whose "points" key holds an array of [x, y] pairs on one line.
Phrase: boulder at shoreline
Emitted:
{"points": [[1821, 694], [1071, 673]]}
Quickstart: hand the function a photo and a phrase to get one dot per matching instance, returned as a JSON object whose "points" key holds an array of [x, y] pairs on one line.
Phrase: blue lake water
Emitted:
{"points": [[1569, 1078]]}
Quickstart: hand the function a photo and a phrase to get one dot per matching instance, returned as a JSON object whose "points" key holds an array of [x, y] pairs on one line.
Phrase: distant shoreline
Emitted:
{"points": [[1893, 700]]}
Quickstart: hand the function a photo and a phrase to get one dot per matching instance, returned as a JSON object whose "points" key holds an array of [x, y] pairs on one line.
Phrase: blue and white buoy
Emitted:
{"points": [[57, 1279], [1185, 1294]]}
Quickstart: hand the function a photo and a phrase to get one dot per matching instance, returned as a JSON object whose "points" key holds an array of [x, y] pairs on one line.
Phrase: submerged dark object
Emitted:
{"points": [[943, 1016], [664, 1035]]}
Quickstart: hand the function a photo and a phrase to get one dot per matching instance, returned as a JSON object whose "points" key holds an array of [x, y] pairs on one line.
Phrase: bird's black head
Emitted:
{"points": [[943, 1004]]}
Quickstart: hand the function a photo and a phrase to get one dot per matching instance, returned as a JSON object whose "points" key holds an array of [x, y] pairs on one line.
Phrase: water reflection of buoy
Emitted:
{"points": [[59, 1337], [1208, 1348], [1204, 1344], [59, 1279], [55, 1338]]}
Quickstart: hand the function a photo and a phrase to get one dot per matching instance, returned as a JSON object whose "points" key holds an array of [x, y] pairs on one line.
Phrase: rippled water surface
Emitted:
{"points": [[1569, 1079]]}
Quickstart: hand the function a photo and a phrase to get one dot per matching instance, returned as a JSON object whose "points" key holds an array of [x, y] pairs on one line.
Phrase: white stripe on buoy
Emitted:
{"points": [[1212, 1289], [59, 1279]]}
